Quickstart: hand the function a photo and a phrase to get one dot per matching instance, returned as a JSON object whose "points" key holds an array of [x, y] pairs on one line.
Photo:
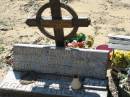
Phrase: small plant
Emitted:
{"points": [[1, 49]]}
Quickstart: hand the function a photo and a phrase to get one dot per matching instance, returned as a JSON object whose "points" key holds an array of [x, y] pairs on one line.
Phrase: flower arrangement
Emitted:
{"points": [[121, 62], [80, 41], [120, 58]]}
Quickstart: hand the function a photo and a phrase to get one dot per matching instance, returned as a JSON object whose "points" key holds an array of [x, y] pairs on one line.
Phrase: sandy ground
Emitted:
{"points": [[107, 16]]}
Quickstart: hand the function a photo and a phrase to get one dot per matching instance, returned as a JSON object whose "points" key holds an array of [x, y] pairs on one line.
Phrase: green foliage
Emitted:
{"points": [[3, 23], [1, 49], [79, 37]]}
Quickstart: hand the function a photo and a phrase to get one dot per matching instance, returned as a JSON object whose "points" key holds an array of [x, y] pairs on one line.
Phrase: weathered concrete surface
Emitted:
{"points": [[50, 85], [69, 61]]}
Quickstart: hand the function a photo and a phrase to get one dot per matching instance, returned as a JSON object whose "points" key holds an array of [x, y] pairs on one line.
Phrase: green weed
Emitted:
{"points": [[1, 49]]}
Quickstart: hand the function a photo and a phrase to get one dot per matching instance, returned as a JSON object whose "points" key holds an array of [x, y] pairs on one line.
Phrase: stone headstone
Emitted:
{"points": [[62, 61], [119, 42]]}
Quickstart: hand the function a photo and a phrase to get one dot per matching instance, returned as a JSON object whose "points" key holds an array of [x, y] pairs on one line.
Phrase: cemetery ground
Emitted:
{"points": [[107, 16]]}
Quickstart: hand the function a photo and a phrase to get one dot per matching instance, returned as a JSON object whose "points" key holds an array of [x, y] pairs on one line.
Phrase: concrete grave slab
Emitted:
{"points": [[50, 86], [63, 61]]}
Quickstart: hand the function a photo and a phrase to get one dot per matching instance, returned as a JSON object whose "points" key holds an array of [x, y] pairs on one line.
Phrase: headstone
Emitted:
{"points": [[47, 71], [63, 61], [119, 42]]}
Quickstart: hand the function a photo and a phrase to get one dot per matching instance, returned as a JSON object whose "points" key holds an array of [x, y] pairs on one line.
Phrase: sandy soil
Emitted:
{"points": [[107, 16]]}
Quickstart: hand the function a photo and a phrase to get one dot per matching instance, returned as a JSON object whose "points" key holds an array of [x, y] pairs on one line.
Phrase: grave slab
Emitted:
{"points": [[50, 86], [62, 61]]}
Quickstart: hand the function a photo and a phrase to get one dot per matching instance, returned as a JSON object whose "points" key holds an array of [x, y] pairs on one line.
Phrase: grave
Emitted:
{"points": [[47, 71], [120, 42]]}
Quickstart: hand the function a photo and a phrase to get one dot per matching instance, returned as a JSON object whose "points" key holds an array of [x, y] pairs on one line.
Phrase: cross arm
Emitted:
{"points": [[64, 23]]}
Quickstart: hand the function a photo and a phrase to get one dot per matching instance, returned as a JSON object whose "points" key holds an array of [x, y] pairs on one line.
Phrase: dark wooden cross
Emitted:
{"points": [[57, 22]]}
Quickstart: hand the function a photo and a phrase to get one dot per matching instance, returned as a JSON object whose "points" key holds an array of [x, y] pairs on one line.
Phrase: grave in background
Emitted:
{"points": [[47, 71]]}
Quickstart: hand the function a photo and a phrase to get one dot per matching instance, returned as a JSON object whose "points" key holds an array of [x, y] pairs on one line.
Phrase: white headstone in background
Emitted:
{"points": [[119, 42]]}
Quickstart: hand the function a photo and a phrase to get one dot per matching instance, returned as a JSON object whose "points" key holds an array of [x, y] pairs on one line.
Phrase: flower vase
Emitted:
{"points": [[76, 84]]}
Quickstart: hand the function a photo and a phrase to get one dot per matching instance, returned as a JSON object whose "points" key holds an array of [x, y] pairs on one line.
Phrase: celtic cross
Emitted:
{"points": [[57, 22]]}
